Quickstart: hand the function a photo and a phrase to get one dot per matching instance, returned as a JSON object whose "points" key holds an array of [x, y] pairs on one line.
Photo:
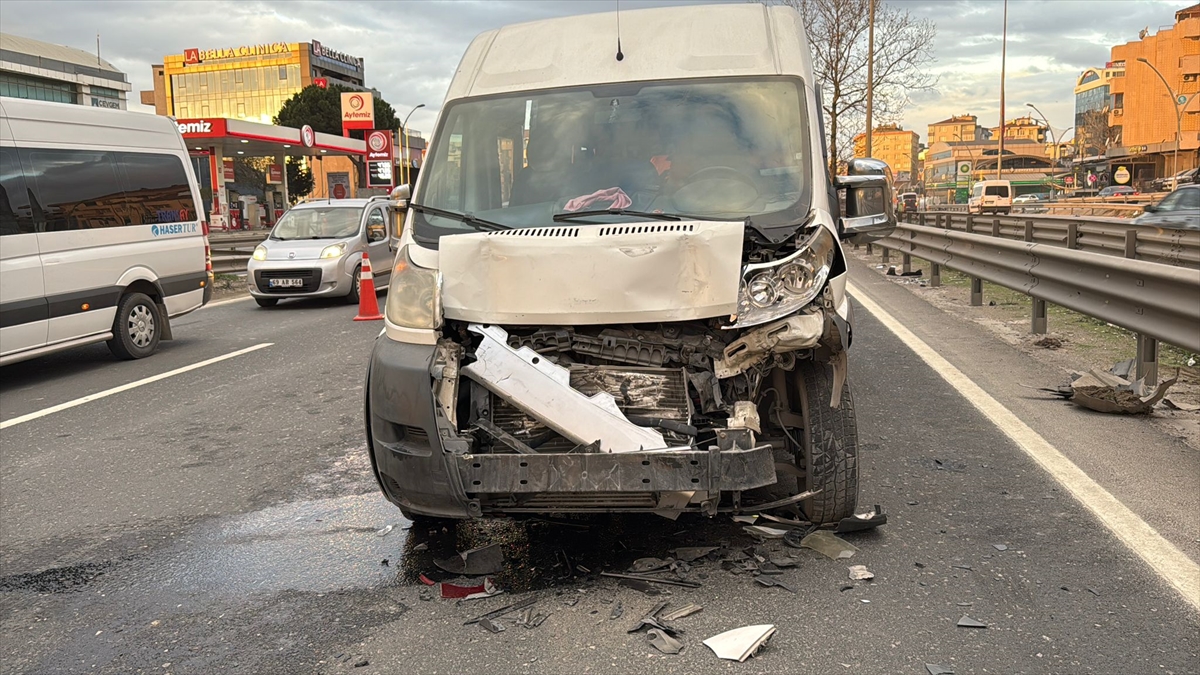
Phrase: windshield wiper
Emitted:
{"points": [[465, 218], [561, 217]]}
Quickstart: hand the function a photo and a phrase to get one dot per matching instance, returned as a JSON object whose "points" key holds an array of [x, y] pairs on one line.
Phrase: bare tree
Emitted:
{"points": [[837, 34], [1094, 133]]}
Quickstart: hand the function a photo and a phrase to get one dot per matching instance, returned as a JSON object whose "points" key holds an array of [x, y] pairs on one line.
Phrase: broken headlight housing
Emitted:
{"points": [[414, 297], [782, 287]]}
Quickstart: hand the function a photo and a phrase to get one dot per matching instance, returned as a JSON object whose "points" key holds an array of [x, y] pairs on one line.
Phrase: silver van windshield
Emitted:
{"points": [[333, 222], [709, 149]]}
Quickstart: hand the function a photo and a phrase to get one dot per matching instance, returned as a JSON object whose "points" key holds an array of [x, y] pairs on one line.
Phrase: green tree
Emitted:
{"points": [[321, 109], [299, 179]]}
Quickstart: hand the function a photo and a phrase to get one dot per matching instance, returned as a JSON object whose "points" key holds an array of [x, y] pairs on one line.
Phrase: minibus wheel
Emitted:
{"points": [[136, 328]]}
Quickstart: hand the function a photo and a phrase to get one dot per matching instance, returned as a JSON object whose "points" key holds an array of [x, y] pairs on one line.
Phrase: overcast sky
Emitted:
{"points": [[412, 47]]}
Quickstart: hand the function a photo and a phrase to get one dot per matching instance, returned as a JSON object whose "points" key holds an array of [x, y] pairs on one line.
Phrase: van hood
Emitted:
{"points": [[593, 274], [297, 249]]}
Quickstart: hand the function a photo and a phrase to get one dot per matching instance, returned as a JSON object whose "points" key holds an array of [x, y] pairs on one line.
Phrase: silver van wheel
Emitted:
{"points": [[136, 327], [141, 326]]}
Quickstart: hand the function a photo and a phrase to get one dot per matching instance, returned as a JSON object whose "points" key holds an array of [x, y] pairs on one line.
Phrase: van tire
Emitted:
{"points": [[829, 457], [355, 285], [266, 302], [137, 327]]}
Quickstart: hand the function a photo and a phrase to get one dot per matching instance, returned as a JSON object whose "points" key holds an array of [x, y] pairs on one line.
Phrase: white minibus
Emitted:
{"points": [[102, 234]]}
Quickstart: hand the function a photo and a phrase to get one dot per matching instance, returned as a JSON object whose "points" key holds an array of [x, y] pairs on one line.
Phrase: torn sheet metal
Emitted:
{"points": [[444, 370], [663, 642], [1109, 393], [474, 562], [740, 643], [542, 390], [789, 335], [687, 610], [671, 504], [592, 274]]}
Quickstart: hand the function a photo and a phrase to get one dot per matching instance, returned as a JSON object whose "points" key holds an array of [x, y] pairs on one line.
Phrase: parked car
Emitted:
{"points": [[908, 202], [599, 335], [101, 234], [1178, 210], [1169, 183], [994, 196], [316, 250], [1117, 191], [1027, 198]]}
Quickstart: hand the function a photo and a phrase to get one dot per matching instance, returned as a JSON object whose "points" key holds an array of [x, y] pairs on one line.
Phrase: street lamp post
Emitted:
{"points": [[404, 147], [1179, 106], [1053, 137]]}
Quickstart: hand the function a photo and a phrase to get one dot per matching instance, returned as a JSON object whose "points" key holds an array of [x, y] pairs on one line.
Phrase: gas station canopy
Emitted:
{"points": [[234, 138]]}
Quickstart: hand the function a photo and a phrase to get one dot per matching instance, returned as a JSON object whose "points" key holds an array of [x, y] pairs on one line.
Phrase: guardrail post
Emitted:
{"points": [[885, 253], [905, 263], [921, 218], [1038, 323], [1147, 359], [1072, 234], [970, 223], [976, 291], [935, 275], [995, 227], [1131, 244], [1029, 230]]}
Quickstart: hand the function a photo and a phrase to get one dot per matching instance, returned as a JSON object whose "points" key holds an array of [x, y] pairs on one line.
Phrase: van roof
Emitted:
{"points": [[78, 125], [657, 44]]}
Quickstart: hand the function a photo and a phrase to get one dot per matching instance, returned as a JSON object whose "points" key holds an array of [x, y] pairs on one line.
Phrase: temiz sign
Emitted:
{"points": [[202, 128], [358, 110]]}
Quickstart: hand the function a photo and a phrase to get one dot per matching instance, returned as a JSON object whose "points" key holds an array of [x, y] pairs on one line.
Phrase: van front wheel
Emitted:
{"points": [[136, 328]]}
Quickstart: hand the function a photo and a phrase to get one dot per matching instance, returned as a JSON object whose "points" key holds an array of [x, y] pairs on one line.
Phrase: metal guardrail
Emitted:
{"points": [[1108, 236], [231, 251], [1155, 300]]}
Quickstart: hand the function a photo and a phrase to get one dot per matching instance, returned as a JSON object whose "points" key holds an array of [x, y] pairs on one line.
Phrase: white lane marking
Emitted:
{"points": [[229, 301], [126, 387], [1161, 555]]}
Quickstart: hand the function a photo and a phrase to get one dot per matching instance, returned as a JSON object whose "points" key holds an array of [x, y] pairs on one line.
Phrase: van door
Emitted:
{"points": [[379, 243], [23, 314]]}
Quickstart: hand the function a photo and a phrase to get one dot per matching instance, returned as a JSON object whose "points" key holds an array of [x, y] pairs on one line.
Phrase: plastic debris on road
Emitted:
{"points": [[648, 564], [740, 644], [474, 562], [491, 626], [862, 521], [746, 520], [860, 573], [485, 590], [968, 622], [1110, 391], [686, 610], [935, 669], [663, 642], [1000, 547], [693, 553], [384, 532], [829, 545], [617, 611], [766, 532], [769, 581]]}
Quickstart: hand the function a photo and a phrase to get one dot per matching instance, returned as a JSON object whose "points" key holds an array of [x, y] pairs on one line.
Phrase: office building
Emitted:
{"points": [[42, 71]]}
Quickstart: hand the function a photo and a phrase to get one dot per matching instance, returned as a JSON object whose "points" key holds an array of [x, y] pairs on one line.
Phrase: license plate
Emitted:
{"points": [[285, 283]]}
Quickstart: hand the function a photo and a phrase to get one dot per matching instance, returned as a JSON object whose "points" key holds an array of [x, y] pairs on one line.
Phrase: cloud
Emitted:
{"points": [[411, 49]]}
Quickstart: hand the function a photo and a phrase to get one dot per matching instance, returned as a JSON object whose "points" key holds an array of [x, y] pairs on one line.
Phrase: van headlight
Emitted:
{"points": [[260, 252], [414, 298], [333, 251], [782, 287]]}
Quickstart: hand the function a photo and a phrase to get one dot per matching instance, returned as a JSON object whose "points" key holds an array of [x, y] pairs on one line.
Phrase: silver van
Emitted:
{"points": [[316, 250], [621, 284]]}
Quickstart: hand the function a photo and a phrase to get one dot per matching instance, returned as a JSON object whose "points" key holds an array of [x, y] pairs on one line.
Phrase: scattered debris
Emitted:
{"points": [[384, 532], [912, 503], [692, 553], [935, 669], [1000, 547], [663, 642], [740, 644], [829, 545], [537, 620], [1093, 592], [862, 521], [656, 580], [919, 565], [617, 611], [1111, 391], [427, 581], [420, 547], [1181, 405], [491, 626], [965, 604], [963, 567], [384, 562], [485, 590], [968, 622], [361, 663], [766, 532], [474, 562], [860, 573], [495, 614], [651, 620], [635, 584], [847, 587], [1049, 342], [747, 520], [769, 581], [648, 564], [865, 602], [686, 610], [783, 561], [786, 522]]}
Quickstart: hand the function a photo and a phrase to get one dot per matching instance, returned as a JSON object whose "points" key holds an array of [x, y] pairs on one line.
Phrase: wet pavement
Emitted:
{"points": [[273, 555]]}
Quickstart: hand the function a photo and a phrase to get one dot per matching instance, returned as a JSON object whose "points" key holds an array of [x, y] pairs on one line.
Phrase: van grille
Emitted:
{"points": [[644, 229], [538, 232]]}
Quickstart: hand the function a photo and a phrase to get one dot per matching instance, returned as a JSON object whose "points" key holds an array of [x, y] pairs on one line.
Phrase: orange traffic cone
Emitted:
{"points": [[368, 305]]}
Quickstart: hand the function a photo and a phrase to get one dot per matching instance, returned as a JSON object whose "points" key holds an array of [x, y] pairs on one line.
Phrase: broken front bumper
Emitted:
{"points": [[426, 468]]}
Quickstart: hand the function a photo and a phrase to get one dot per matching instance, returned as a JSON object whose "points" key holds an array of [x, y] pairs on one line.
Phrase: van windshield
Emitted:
{"points": [[326, 222], [724, 150]]}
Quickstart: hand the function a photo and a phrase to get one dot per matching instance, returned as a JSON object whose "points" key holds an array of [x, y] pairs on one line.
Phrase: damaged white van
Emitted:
{"points": [[621, 285]]}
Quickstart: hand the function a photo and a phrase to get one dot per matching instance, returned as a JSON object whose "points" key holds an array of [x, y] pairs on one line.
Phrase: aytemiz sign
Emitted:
{"points": [[320, 50], [358, 110], [202, 128], [193, 56], [380, 157]]}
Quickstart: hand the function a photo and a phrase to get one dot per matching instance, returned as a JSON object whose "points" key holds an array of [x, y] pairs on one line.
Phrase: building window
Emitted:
{"points": [[18, 85], [283, 73], [1118, 101]]}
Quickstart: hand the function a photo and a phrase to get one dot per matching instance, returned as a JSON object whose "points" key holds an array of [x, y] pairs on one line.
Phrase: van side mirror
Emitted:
{"points": [[401, 194], [870, 214]]}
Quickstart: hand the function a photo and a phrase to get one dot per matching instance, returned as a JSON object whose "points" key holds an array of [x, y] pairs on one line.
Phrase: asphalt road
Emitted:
{"points": [[224, 520]]}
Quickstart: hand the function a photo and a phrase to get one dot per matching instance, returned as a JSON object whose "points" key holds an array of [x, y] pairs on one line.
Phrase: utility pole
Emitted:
{"points": [[871, 74], [1003, 60]]}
